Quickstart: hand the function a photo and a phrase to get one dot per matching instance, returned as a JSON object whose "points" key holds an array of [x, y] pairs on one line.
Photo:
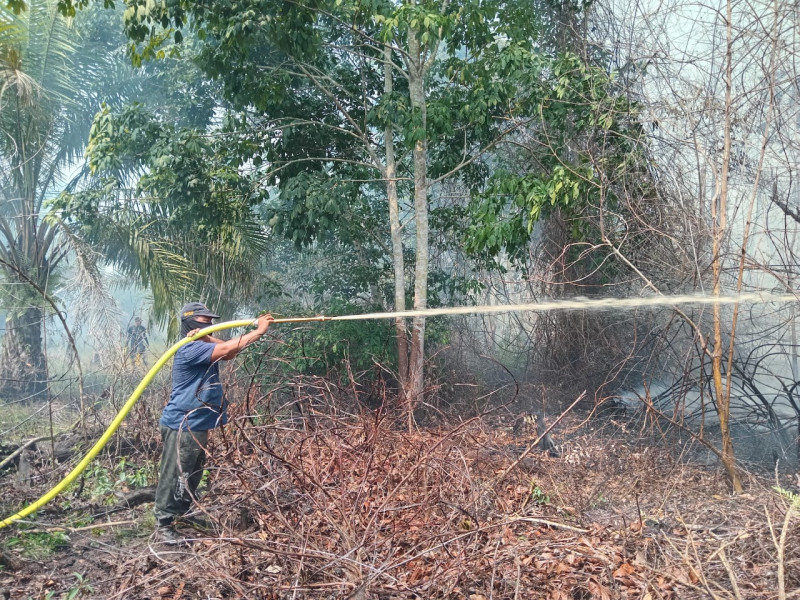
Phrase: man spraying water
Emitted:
{"points": [[196, 405]]}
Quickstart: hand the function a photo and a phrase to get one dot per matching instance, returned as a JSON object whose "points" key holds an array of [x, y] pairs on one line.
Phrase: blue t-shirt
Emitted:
{"points": [[195, 403]]}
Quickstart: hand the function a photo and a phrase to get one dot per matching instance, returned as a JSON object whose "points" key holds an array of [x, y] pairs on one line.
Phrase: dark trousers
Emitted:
{"points": [[181, 469]]}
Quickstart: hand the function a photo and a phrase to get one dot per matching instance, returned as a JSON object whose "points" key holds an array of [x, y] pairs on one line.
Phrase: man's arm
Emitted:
{"points": [[228, 349]]}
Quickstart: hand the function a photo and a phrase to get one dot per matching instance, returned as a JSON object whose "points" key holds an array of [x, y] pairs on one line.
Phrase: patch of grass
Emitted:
{"points": [[38, 545], [79, 519], [24, 420], [145, 526], [148, 520]]}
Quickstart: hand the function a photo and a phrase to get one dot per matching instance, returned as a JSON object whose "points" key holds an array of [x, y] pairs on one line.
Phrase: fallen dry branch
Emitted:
{"points": [[353, 507], [348, 510], [79, 529], [24, 446], [536, 442]]}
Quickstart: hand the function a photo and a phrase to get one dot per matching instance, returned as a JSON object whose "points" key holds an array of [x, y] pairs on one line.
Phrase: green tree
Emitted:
{"points": [[414, 94], [169, 207], [573, 202]]}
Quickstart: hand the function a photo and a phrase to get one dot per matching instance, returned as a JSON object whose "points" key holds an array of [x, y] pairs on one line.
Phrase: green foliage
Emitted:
{"points": [[100, 482], [16, 6], [794, 499], [37, 545], [322, 348], [54, 72], [304, 118], [314, 130], [538, 495], [188, 221], [339, 229], [133, 476], [591, 146], [511, 204], [315, 206], [81, 587], [177, 184]]}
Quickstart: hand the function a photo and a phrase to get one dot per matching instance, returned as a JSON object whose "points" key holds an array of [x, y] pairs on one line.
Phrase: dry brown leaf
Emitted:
{"points": [[598, 590], [624, 570], [665, 584], [179, 592]]}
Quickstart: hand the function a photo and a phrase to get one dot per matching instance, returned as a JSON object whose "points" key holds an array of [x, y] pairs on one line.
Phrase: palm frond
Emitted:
{"points": [[137, 236], [14, 80], [92, 302], [50, 52]]}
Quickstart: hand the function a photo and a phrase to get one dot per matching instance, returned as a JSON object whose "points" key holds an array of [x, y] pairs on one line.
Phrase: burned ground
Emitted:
{"points": [[353, 506]]}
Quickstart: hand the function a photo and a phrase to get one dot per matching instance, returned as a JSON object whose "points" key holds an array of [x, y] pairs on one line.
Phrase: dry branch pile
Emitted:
{"points": [[353, 508]]}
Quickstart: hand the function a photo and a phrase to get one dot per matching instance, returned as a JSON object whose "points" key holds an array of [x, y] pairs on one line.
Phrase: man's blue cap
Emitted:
{"points": [[196, 309]]}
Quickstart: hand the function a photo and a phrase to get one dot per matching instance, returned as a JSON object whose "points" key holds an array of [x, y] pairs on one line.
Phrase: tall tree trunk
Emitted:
{"points": [[397, 242], [22, 362], [719, 221], [416, 73]]}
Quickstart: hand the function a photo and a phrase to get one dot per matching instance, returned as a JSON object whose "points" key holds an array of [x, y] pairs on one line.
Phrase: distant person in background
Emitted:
{"points": [[137, 341], [196, 405]]}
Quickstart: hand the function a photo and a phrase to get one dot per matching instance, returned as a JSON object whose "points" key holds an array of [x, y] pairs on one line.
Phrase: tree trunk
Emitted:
{"points": [[22, 362], [416, 80], [718, 216], [397, 243]]}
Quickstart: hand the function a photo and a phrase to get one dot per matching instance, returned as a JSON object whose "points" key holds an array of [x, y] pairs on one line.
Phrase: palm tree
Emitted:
{"points": [[54, 73], [166, 221]]}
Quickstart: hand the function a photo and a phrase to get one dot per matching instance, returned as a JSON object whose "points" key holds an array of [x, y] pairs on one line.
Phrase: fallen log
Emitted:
{"points": [[129, 500], [137, 497], [65, 446], [8, 459]]}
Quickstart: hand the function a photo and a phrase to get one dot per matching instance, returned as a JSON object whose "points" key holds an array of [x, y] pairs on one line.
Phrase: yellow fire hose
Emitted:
{"points": [[569, 304], [118, 419]]}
